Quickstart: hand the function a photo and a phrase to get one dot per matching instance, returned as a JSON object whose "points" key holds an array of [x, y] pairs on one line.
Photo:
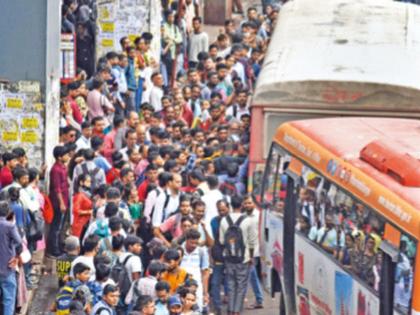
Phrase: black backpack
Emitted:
{"points": [[119, 274], [234, 246], [35, 229], [145, 229], [92, 173]]}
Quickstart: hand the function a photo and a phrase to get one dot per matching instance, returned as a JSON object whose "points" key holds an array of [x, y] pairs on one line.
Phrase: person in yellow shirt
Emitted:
{"points": [[175, 275]]}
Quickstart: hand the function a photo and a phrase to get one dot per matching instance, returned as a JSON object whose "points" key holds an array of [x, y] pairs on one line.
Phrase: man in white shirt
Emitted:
{"points": [[167, 202], [84, 140], [211, 198], [237, 272], [240, 108], [199, 42], [156, 93]]}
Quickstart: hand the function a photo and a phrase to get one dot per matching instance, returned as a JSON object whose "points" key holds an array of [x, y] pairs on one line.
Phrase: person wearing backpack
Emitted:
{"points": [[168, 202], [172, 225], [110, 298], [217, 276], [65, 295], [239, 238], [96, 174], [127, 269]]}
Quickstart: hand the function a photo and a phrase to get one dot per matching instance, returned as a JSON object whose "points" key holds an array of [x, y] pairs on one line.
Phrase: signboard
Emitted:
{"points": [[131, 18]]}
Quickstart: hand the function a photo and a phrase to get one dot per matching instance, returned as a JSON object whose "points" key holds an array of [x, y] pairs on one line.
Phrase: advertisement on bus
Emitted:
{"points": [[323, 288]]}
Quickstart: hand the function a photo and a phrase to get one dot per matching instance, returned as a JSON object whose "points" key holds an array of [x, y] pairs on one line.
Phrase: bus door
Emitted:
{"points": [[272, 202]]}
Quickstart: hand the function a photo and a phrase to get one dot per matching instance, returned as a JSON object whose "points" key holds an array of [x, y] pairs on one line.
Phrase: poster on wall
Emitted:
{"points": [[21, 120], [119, 18]]}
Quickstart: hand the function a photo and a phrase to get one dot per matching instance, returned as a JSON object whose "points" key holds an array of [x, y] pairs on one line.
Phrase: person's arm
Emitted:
{"points": [[252, 237], [206, 43], [158, 213], [209, 241], [164, 227], [205, 274], [148, 204], [56, 179]]}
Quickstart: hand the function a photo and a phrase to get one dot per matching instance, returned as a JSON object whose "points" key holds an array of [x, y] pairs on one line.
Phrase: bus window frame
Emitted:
{"points": [[281, 153], [296, 178]]}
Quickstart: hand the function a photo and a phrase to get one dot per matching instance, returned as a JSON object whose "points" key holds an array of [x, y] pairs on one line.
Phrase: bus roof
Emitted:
{"points": [[343, 54], [333, 147]]}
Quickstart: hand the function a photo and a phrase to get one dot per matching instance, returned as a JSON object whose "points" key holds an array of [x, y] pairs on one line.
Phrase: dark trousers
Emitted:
{"points": [[237, 281], [56, 234]]}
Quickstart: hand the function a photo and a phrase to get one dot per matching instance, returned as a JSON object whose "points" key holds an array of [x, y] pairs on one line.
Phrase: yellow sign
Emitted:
{"points": [[107, 42], [107, 27], [10, 135], [15, 103], [30, 123], [104, 13], [29, 137]]}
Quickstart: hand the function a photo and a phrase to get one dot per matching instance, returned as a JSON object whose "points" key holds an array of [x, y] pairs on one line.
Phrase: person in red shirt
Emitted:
{"points": [[216, 118], [60, 198], [9, 163], [109, 143], [73, 92], [82, 205], [151, 178], [98, 126]]}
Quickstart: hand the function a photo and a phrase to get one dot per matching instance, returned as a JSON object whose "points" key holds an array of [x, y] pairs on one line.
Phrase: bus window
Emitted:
{"points": [[404, 275], [341, 226], [270, 183]]}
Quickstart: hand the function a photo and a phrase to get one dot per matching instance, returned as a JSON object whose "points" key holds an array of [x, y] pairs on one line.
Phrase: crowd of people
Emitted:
{"points": [[146, 209]]}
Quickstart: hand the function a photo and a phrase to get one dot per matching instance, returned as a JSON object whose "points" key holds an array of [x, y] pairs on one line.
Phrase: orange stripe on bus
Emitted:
{"points": [[352, 179]]}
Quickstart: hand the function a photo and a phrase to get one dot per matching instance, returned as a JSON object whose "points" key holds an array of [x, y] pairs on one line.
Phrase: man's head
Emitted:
{"points": [[127, 175], [86, 129], [192, 239], [4, 209], [185, 205], [131, 138], [81, 272], [133, 244], [61, 154], [10, 160], [171, 258], [21, 156], [111, 295], [242, 98], [133, 120], [248, 203], [125, 43], [176, 183], [145, 305], [98, 124], [175, 305], [162, 291], [222, 207], [72, 245], [157, 79], [91, 244], [196, 24], [199, 210]]}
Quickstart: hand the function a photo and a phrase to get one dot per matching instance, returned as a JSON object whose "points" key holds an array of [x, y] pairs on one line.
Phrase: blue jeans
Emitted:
{"points": [[256, 286], [8, 287], [217, 278]]}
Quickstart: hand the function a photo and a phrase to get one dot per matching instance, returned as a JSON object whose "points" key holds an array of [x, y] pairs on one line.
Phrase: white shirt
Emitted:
{"points": [[240, 111], [239, 69], [88, 261], [133, 264], [82, 143], [249, 233], [210, 199], [255, 221], [156, 94], [161, 213]]}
